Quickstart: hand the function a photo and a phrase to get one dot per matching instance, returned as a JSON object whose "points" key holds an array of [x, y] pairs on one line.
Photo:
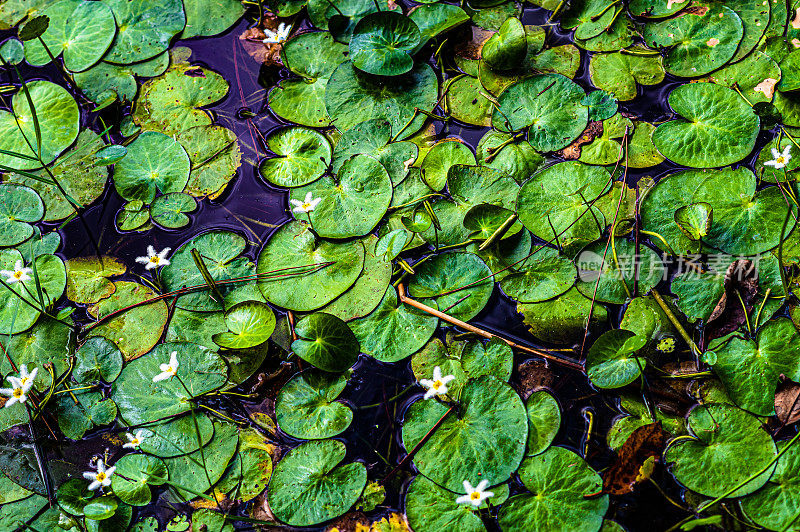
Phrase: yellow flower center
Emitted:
{"points": [[23, 380], [781, 160], [100, 476], [437, 384], [475, 496], [17, 392], [154, 259], [306, 205], [18, 274], [135, 441]]}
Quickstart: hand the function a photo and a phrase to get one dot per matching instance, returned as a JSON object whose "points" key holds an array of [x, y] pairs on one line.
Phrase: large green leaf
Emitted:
{"points": [[302, 157], [20, 306], [450, 271], [154, 163], [326, 342], [775, 505], [382, 43], [309, 486], [306, 406], [145, 28], [210, 17], [485, 440]]}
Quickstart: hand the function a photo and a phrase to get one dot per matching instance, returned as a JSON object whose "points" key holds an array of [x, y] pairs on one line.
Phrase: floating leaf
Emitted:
{"points": [[155, 163], [326, 342], [303, 155], [250, 323], [382, 43], [544, 421], [306, 406], [97, 359], [610, 362], [145, 28], [169, 210], [134, 475]]}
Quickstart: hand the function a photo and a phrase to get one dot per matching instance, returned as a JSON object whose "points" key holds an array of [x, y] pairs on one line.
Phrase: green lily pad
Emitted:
{"points": [[473, 185], [773, 506], [560, 484], [755, 18], [589, 18], [250, 323], [506, 48], [251, 468], [555, 203], [82, 411], [544, 421], [382, 43], [756, 76], [215, 156], [301, 101], [306, 407], [515, 158], [718, 128], [694, 220], [145, 28], [199, 470], [140, 399], [372, 138], [134, 331], [12, 51], [720, 434], [393, 331], [295, 246], [309, 486], [607, 148], [313, 55], [19, 303], [107, 80], [134, 475], [465, 102], [154, 163], [97, 359], [369, 289], [18, 206], [435, 19], [326, 342], [654, 8], [562, 320], [610, 362], [442, 156], [77, 172], [351, 204], [303, 155], [220, 253], [169, 210], [449, 271], [617, 277], [172, 102], [541, 279], [352, 97], [176, 436], [485, 441], [48, 341], [638, 414], [550, 104], [619, 73], [431, 507], [751, 370], [698, 42], [204, 18], [58, 118]]}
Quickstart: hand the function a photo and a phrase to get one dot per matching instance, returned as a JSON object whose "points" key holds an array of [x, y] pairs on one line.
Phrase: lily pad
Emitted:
{"points": [[393, 331], [351, 204], [486, 441], [134, 475], [169, 211], [104, 80], [550, 104], [295, 246], [441, 157], [97, 359], [561, 486], [326, 342], [718, 128], [303, 155], [541, 279], [773, 506], [431, 507], [506, 48], [19, 205], [19, 303], [721, 433], [205, 18], [250, 323], [382, 43], [617, 276], [544, 421], [59, 121], [373, 138], [449, 271], [154, 163], [611, 363], [215, 157], [309, 486], [306, 407], [620, 73], [145, 28], [562, 320], [141, 400], [176, 436]]}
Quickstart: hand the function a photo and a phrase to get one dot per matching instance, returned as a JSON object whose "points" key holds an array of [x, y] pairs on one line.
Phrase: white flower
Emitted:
{"points": [[437, 385], [475, 496], [168, 370], [19, 386], [781, 159], [134, 441], [278, 36], [306, 205], [18, 274], [153, 259], [101, 477]]}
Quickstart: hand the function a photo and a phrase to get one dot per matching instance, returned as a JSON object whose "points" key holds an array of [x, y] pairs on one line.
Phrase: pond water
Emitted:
{"points": [[384, 401]]}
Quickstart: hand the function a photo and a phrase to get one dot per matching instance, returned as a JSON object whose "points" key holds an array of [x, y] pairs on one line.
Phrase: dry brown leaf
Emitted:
{"points": [[787, 402], [634, 460], [573, 152]]}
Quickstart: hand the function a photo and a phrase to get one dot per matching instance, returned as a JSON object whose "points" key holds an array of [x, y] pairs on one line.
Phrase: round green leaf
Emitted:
{"points": [[134, 475], [617, 277], [250, 323], [430, 507], [441, 157], [382, 43], [154, 163], [15, 314], [326, 342], [97, 359], [544, 278], [485, 441], [718, 127], [449, 271], [309, 487], [563, 319], [393, 331], [563, 495], [722, 435], [88, 32], [145, 28], [303, 155], [18, 205], [205, 18], [176, 436], [506, 48], [775, 505], [544, 421], [609, 363], [306, 406], [295, 246]]}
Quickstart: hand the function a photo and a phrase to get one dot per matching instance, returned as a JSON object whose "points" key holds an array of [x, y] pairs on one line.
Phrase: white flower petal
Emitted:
{"points": [[464, 499]]}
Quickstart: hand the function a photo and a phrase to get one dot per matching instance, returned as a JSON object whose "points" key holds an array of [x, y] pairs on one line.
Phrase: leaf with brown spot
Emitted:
{"points": [[729, 314], [573, 151], [787, 402], [630, 466]]}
